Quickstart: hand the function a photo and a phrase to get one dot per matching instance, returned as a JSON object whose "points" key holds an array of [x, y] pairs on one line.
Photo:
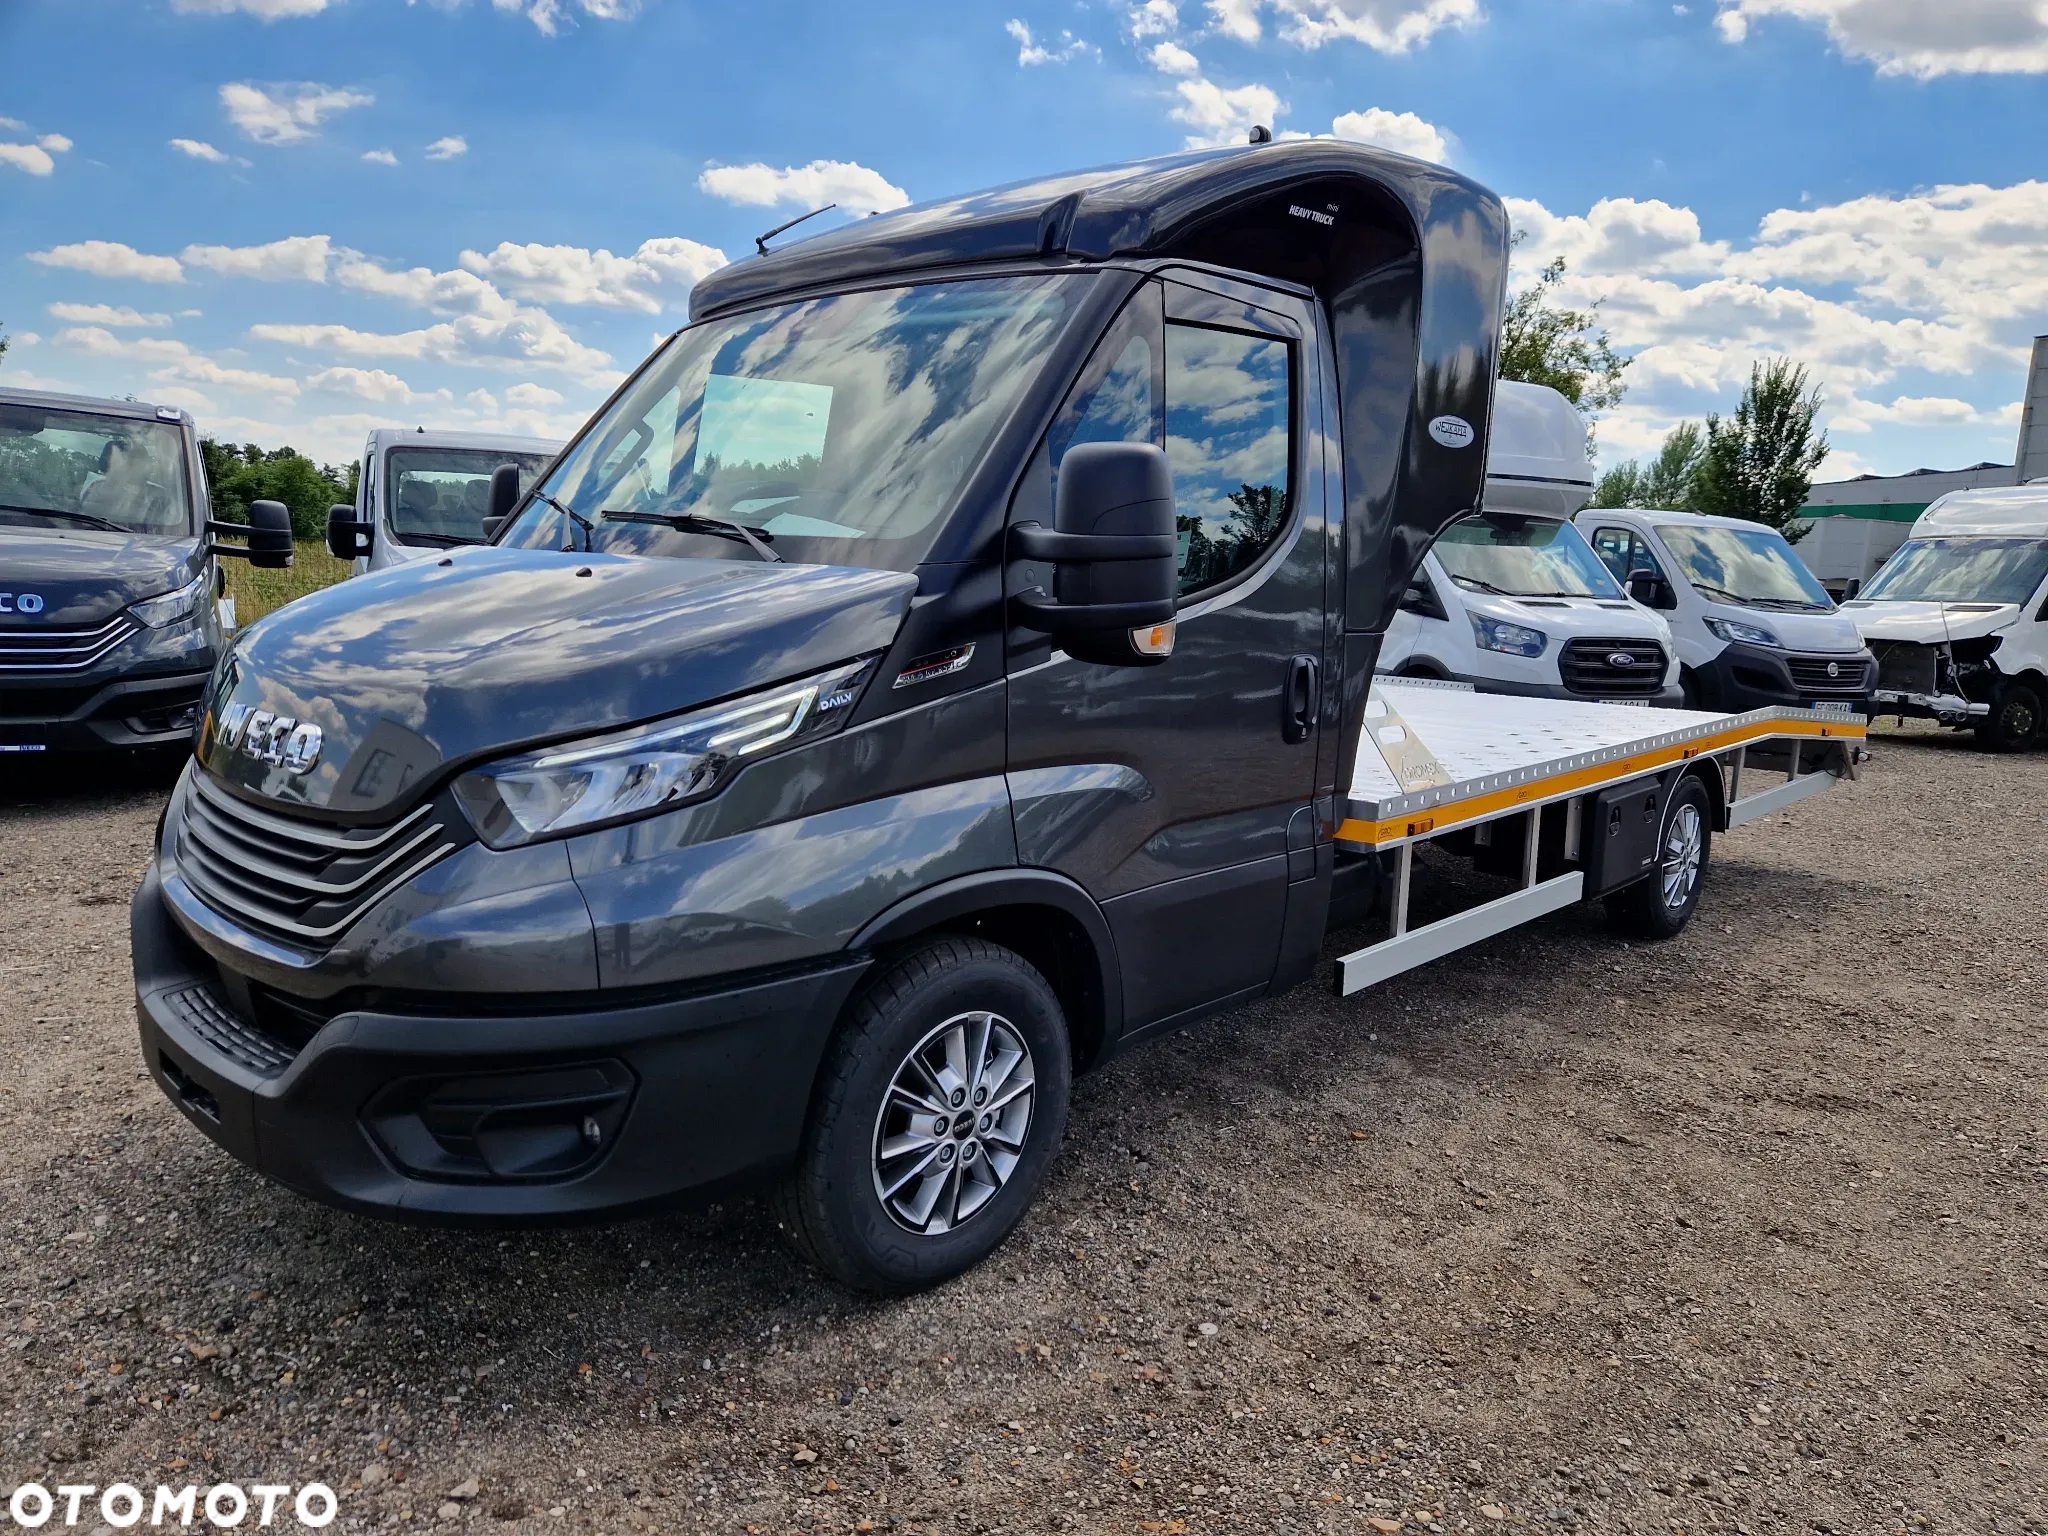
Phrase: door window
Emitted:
{"points": [[1227, 435], [1623, 550]]}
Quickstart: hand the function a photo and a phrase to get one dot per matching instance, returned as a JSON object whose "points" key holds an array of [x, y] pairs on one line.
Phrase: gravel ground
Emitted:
{"points": [[1743, 1232]]}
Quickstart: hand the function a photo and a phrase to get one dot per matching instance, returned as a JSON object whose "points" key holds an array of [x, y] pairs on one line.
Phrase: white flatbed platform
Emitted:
{"points": [[1434, 756]]}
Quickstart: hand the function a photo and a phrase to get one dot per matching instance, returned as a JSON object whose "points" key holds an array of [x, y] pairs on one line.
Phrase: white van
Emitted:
{"points": [[1753, 627], [1958, 616], [1513, 600], [421, 492]]}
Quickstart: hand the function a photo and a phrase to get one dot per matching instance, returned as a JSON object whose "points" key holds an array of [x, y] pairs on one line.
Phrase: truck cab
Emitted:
{"points": [[1752, 625], [111, 616], [1958, 616], [1512, 600], [422, 491]]}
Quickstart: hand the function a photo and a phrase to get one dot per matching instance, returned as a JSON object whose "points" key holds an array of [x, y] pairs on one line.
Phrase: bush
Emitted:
{"points": [[238, 476]]}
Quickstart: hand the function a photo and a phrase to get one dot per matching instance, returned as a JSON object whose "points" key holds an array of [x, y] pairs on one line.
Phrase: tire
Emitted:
{"points": [[1659, 905], [2014, 723], [852, 1207]]}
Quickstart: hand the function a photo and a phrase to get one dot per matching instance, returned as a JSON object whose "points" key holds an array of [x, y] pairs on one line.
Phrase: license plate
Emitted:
{"points": [[22, 746]]}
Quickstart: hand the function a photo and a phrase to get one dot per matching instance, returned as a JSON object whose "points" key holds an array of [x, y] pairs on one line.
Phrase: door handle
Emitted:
{"points": [[1301, 701]]}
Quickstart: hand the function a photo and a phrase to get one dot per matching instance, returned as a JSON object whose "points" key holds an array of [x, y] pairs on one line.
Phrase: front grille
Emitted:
{"points": [[302, 881], [1810, 674], [200, 1011], [54, 652], [1586, 667], [1906, 666]]}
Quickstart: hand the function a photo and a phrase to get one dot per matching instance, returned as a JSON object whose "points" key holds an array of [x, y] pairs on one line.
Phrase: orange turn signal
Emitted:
{"points": [[1155, 639]]}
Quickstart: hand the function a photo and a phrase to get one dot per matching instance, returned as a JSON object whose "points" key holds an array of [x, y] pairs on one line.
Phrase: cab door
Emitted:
{"points": [[1180, 795]]}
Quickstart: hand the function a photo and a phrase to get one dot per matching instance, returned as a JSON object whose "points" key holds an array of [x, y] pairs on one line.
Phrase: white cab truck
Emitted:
{"points": [[1752, 627], [1513, 600], [421, 492], [1957, 618]]}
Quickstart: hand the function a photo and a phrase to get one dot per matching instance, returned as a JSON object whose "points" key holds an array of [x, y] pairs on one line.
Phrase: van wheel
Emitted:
{"points": [[2014, 723], [941, 1102], [1659, 905]]}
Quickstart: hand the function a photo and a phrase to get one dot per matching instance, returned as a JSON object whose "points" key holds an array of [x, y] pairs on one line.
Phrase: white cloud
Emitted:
{"points": [[1922, 38], [1402, 132], [32, 158], [1238, 19], [107, 314], [533, 397], [263, 10], [372, 384], [199, 149], [548, 15], [285, 114], [567, 274], [448, 148], [297, 258], [1618, 235], [55, 143], [380, 157], [1169, 58], [1030, 51], [109, 258], [1387, 26], [1224, 115], [855, 188], [1154, 18], [13, 124], [177, 362], [497, 333]]}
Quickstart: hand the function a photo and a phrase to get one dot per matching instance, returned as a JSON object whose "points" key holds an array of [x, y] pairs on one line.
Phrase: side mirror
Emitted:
{"points": [[348, 537], [504, 497], [267, 537], [1855, 586], [1114, 557], [1649, 589]]}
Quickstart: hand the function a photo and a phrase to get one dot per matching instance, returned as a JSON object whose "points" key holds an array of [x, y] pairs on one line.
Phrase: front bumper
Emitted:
{"points": [[586, 1109], [1669, 697], [119, 713], [1745, 677]]}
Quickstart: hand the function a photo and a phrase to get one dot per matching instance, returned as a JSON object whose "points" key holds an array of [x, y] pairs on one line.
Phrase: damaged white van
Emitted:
{"points": [[1514, 600]]}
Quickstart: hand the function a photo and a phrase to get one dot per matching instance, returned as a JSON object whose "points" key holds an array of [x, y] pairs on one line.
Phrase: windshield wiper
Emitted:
{"points": [[1484, 586], [70, 517], [572, 514], [695, 522], [439, 540]]}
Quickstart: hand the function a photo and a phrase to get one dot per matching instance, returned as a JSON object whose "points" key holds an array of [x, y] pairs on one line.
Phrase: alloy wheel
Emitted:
{"points": [[953, 1124], [1685, 842]]}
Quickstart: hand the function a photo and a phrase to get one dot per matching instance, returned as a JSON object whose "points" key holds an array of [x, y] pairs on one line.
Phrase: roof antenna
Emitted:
{"points": [[1261, 134], [761, 241]]}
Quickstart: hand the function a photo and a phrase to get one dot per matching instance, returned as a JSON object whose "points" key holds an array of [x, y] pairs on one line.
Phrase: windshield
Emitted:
{"points": [[1523, 557], [440, 495], [1744, 565], [77, 469], [839, 429], [1962, 571]]}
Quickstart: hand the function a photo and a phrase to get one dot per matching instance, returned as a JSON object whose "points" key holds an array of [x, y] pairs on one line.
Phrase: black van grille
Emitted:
{"points": [[54, 652], [303, 881], [214, 1022], [1589, 666], [1810, 674]]}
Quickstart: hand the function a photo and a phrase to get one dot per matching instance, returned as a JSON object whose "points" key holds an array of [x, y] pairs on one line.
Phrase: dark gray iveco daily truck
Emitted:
{"points": [[109, 625], [934, 670]]}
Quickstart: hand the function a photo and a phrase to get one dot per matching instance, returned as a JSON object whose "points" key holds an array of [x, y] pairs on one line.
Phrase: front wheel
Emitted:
{"points": [[940, 1105], [2014, 723], [1659, 905]]}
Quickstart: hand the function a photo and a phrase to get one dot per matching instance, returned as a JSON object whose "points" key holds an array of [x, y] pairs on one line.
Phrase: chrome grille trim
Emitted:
{"points": [[61, 650], [301, 880]]}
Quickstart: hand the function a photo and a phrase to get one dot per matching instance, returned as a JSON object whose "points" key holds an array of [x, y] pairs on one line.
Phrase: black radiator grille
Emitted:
{"points": [[1593, 666], [1810, 674], [1907, 666], [303, 881]]}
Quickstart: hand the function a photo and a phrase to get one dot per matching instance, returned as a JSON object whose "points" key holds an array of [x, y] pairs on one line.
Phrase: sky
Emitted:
{"points": [[301, 219]]}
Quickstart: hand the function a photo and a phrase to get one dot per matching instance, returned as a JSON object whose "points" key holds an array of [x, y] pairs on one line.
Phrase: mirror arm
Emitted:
{"points": [[1043, 613], [1033, 541], [216, 528]]}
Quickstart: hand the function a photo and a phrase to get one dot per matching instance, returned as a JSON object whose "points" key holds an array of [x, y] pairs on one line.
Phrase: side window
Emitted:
{"points": [[1612, 546], [1117, 398], [1228, 410], [365, 480]]}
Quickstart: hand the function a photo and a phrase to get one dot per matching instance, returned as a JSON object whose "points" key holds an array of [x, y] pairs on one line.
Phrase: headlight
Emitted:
{"points": [[583, 784], [1743, 634], [157, 612], [1500, 635]]}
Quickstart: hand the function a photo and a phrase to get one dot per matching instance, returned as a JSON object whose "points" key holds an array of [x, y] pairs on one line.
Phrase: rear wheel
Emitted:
{"points": [[2014, 723], [1659, 905], [941, 1103]]}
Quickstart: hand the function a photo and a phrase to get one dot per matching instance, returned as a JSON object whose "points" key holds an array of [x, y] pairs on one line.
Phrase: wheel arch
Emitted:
{"points": [[1045, 917], [1708, 771]]}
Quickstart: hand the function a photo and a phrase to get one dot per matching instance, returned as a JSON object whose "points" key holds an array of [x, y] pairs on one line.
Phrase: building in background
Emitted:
{"points": [[1856, 524]]}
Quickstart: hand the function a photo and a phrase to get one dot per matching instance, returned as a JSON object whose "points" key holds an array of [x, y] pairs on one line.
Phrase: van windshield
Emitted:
{"points": [[1742, 565], [1523, 557], [75, 469], [838, 430], [1962, 571], [440, 495]]}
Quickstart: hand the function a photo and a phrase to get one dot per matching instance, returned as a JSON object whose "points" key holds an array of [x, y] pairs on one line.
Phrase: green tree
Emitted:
{"points": [[3, 346], [1668, 482], [1760, 465], [238, 476], [1542, 342]]}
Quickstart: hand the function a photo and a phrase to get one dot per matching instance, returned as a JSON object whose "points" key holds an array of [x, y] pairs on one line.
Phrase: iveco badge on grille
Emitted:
{"points": [[292, 745]]}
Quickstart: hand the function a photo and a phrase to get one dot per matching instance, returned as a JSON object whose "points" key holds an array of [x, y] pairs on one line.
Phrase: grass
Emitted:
{"points": [[257, 593]]}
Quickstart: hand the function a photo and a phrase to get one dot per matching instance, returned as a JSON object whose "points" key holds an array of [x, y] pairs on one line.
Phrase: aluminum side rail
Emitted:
{"points": [[1436, 758]]}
